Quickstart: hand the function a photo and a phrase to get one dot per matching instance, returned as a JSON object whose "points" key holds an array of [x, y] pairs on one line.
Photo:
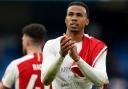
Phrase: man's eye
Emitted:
{"points": [[79, 14], [70, 14]]}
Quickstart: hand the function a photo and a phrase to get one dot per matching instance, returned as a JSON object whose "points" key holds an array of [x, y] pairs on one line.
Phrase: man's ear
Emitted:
{"points": [[27, 43], [29, 40], [87, 22]]}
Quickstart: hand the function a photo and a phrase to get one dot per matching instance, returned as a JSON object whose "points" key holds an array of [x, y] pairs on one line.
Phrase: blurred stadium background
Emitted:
{"points": [[108, 22]]}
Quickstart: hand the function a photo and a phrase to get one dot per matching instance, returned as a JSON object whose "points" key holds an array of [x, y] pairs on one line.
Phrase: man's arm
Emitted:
{"points": [[9, 76], [52, 62], [48, 74], [97, 74]]}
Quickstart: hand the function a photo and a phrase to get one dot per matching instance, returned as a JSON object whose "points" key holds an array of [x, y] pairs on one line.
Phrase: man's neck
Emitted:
{"points": [[76, 36], [33, 50], [36, 50]]}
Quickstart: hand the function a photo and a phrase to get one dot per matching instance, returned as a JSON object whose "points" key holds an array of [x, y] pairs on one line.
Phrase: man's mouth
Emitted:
{"points": [[74, 25]]}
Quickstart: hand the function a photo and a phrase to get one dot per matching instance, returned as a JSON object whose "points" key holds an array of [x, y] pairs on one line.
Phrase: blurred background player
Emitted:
{"points": [[25, 72]]}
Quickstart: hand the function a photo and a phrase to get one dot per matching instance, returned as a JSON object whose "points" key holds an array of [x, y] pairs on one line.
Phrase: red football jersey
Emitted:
{"points": [[29, 73], [25, 72]]}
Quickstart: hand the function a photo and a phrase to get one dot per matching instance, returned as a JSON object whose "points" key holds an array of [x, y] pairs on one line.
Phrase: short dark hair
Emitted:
{"points": [[36, 31], [79, 3]]}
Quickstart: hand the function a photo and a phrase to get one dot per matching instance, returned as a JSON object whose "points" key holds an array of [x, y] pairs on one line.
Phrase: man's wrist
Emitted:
{"points": [[77, 59], [59, 57], [62, 55]]}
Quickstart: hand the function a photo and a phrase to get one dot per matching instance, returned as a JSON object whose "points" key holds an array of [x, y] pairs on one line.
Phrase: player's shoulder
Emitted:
{"points": [[94, 40], [53, 41], [91, 38], [22, 59]]}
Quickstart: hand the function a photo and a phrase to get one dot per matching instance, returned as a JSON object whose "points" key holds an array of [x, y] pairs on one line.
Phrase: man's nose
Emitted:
{"points": [[74, 18]]}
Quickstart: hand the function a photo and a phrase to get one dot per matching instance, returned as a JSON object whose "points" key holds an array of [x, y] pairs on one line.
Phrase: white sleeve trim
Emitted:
{"points": [[96, 58]]}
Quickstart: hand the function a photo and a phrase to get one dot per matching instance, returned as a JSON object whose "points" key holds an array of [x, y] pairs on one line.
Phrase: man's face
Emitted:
{"points": [[76, 18]]}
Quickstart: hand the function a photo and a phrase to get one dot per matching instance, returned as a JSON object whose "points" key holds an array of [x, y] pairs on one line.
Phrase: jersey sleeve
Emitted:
{"points": [[96, 74], [9, 75], [52, 61], [49, 58], [101, 64]]}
